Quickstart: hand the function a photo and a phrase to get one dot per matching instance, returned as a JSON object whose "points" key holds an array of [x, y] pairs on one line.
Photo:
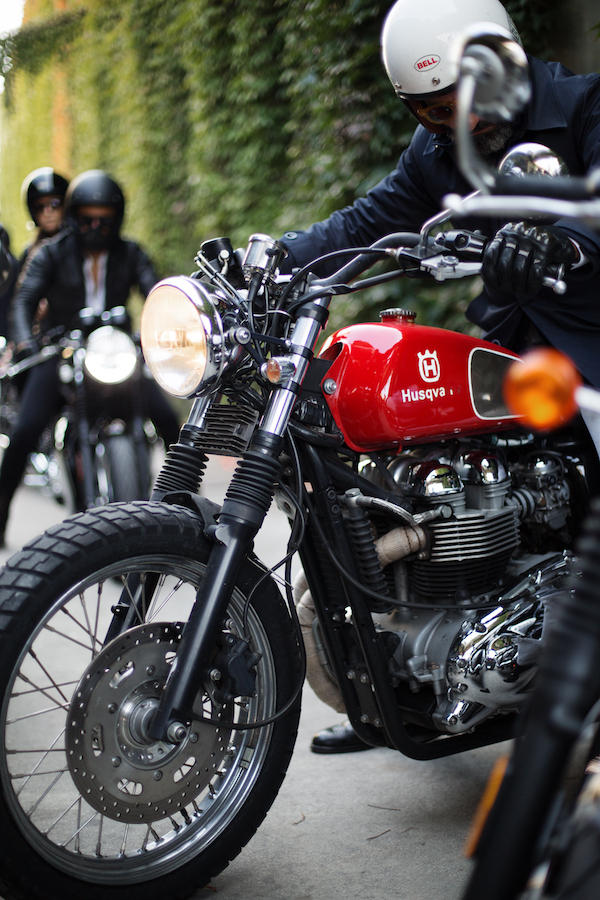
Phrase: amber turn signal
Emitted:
{"points": [[541, 388]]}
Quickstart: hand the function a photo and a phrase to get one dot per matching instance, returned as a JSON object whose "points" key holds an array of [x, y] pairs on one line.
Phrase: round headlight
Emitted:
{"points": [[110, 355], [182, 336]]}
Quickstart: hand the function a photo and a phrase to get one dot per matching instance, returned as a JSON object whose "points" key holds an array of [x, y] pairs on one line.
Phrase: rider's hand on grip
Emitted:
{"points": [[521, 256]]}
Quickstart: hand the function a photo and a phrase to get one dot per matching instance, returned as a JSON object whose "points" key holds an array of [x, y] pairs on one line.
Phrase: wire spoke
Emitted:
{"points": [[75, 835], [39, 712], [42, 759], [153, 613], [134, 599], [68, 637], [90, 630], [35, 689], [43, 796], [42, 690], [87, 631]]}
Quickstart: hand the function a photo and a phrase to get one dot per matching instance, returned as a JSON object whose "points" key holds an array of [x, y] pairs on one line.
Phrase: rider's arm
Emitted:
{"points": [[31, 287], [402, 201], [585, 118]]}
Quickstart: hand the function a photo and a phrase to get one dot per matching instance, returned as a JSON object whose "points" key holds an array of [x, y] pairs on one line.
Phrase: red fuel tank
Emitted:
{"points": [[395, 383]]}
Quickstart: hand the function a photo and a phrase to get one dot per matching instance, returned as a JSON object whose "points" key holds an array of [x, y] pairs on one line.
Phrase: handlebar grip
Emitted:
{"points": [[556, 187]]}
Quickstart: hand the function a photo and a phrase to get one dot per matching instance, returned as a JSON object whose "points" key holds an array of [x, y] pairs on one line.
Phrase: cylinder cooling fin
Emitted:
{"points": [[469, 554]]}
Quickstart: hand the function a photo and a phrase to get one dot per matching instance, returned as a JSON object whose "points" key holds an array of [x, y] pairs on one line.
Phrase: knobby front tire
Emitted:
{"points": [[87, 808]]}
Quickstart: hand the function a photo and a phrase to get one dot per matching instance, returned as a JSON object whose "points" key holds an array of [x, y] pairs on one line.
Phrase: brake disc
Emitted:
{"points": [[116, 767]]}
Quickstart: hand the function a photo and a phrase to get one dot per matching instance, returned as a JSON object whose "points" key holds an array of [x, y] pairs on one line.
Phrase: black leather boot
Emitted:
{"points": [[340, 738]]}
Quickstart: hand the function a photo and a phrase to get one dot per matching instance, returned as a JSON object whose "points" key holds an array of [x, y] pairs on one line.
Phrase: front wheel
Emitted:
{"points": [[89, 807]]}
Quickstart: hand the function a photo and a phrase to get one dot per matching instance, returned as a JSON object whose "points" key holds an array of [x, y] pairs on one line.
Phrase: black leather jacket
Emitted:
{"points": [[564, 114], [54, 270]]}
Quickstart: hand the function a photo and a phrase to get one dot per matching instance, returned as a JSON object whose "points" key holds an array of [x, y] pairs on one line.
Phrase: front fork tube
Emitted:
{"points": [[244, 509]]}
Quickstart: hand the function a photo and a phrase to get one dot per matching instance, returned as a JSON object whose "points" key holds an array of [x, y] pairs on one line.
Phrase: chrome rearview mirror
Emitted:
{"points": [[530, 158], [493, 85]]}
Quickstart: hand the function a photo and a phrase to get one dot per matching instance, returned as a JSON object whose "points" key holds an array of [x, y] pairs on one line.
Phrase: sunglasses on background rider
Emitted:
{"points": [[50, 203], [85, 222]]}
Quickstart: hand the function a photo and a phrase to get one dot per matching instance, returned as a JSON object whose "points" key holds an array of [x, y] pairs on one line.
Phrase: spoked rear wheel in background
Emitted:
{"points": [[89, 806]]}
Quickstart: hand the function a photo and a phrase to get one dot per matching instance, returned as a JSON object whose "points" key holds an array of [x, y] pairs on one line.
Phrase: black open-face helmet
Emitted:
{"points": [[95, 188], [42, 182]]}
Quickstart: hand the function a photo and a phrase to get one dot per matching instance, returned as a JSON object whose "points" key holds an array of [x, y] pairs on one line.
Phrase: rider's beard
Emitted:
{"points": [[489, 143]]}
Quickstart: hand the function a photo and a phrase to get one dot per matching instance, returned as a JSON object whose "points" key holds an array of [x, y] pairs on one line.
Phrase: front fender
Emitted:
{"points": [[207, 509]]}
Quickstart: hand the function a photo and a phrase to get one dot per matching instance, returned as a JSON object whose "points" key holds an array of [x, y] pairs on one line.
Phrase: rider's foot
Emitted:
{"points": [[340, 738]]}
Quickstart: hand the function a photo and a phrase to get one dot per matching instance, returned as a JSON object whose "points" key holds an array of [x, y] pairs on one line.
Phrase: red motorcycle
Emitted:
{"points": [[151, 669]]}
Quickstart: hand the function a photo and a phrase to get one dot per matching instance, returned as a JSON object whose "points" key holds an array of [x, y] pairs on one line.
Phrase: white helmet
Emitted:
{"points": [[417, 40]]}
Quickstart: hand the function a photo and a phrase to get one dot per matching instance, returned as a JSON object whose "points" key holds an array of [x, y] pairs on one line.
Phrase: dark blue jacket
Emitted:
{"points": [[564, 114]]}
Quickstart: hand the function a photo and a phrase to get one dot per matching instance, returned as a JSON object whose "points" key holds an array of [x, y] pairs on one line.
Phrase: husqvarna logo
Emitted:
{"points": [[429, 366]]}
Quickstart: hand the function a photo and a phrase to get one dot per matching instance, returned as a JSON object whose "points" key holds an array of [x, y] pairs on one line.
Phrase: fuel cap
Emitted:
{"points": [[397, 315]]}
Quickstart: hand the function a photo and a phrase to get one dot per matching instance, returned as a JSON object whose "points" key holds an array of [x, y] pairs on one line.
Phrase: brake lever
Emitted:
{"points": [[556, 283]]}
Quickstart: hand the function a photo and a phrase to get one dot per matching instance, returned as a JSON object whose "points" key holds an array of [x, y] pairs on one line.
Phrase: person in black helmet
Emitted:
{"points": [[86, 264], [43, 192]]}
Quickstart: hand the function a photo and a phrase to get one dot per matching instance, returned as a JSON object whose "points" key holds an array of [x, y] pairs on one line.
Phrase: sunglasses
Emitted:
{"points": [[51, 203], [100, 221], [436, 114]]}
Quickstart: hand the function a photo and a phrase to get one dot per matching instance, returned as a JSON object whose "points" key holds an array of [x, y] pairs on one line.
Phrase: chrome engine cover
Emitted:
{"points": [[481, 662]]}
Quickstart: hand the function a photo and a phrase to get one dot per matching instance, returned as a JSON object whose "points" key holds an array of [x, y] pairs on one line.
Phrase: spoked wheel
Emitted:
{"points": [[90, 805]]}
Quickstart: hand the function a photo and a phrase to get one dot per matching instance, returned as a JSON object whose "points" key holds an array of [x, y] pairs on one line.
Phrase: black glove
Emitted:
{"points": [[520, 256]]}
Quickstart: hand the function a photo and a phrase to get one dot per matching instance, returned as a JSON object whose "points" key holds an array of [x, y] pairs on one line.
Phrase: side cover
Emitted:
{"points": [[395, 382]]}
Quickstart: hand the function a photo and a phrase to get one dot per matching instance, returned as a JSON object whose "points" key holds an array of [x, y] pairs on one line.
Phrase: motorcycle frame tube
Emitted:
{"points": [[331, 594]]}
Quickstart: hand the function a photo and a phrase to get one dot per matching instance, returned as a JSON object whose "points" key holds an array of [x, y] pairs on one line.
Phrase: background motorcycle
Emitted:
{"points": [[97, 450], [154, 652]]}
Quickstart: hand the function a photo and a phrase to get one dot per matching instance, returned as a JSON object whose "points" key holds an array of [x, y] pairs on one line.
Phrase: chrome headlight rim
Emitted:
{"points": [[110, 357], [204, 304]]}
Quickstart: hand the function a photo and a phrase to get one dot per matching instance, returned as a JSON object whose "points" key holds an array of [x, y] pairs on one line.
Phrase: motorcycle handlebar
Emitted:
{"points": [[31, 361], [364, 260], [558, 187]]}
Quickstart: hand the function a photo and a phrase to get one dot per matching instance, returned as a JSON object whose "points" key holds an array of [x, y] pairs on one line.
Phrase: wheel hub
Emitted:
{"points": [[117, 767]]}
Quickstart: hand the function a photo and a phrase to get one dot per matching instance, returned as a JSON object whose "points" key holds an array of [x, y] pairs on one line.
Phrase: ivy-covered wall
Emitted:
{"points": [[217, 117]]}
